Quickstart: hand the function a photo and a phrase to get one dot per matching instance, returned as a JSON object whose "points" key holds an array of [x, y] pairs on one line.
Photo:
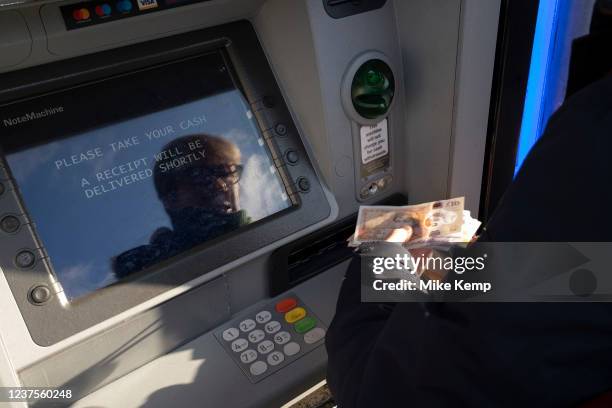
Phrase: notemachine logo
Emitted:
{"points": [[32, 116]]}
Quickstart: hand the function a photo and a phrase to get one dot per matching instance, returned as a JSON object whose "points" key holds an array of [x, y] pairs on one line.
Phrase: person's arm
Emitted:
{"points": [[464, 354], [352, 336], [355, 330]]}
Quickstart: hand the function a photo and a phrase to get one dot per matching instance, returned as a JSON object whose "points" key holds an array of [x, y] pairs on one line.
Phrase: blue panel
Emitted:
{"points": [[534, 113]]}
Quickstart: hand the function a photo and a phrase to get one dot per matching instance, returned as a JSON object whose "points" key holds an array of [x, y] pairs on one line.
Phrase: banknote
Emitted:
{"points": [[468, 233], [439, 221]]}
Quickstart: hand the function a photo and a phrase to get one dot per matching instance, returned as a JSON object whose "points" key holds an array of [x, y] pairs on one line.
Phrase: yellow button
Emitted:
{"points": [[295, 314]]}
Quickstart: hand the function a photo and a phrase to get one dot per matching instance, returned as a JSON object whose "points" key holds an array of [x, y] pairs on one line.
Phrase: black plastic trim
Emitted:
{"points": [[345, 8], [516, 31]]}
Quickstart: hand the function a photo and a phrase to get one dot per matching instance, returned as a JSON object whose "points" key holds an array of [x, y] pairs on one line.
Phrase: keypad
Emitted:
{"points": [[272, 337]]}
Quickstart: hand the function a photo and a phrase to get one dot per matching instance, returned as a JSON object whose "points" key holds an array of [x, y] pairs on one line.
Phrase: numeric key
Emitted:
{"points": [[275, 358], [247, 325], [230, 334], [272, 327], [239, 345], [282, 337], [263, 317], [265, 347], [256, 336], [248, 356]]}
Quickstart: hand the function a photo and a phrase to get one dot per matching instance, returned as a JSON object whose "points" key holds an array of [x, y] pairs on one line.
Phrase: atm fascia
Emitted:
{"points": [[57, 318]]}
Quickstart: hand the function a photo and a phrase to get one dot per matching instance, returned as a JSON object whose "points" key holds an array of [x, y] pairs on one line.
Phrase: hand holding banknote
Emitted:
{"points": [[438, 223]]}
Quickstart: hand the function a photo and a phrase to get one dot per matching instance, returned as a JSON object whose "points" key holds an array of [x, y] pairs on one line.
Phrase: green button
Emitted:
{"points": [[305, 324]]}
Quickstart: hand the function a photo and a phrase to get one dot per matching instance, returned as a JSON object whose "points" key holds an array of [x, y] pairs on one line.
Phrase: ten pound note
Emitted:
{"points": [[439, 222]]}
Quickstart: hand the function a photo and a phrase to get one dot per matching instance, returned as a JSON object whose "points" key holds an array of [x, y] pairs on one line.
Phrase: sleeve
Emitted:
{"points": [[352, 336]]}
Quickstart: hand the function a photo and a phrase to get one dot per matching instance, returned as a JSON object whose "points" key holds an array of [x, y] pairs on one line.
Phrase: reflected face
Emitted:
{"points": [[204, 176], [215, 189]]}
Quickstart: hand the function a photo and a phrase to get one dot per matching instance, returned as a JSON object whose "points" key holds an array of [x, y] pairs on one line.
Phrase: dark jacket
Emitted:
{"points": [[513, 354]]}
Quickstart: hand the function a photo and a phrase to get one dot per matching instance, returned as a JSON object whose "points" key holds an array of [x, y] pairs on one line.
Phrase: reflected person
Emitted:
{"points": [[196, 178]]}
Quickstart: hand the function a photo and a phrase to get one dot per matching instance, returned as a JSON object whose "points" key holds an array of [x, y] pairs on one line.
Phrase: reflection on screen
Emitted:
{"points": [[122, 198]]}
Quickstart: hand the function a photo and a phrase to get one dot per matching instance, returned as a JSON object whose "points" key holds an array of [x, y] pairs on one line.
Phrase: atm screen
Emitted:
{"points": [[178, 162]]}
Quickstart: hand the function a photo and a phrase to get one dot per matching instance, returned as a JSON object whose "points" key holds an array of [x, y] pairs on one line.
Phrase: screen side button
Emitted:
{"points": [[40, 294], [281, 129], [10, 224], [292, 157], [25, 259], [303, 184]]}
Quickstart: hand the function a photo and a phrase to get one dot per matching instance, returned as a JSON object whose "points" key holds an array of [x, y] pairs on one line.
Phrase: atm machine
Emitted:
{"points": [[178, 179]]}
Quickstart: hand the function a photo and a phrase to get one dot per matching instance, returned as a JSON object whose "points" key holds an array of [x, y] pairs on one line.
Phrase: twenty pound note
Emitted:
{"points": [[422, 223]]}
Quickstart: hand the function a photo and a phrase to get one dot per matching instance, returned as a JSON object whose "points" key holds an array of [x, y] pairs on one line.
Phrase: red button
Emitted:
{"points": [[286, 305]]}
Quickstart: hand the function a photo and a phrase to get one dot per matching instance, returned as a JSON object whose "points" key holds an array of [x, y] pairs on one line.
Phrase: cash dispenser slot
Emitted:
{"points": [[317, 252]]}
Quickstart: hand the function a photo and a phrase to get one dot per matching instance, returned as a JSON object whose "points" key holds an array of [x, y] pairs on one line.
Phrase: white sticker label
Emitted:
{"points": [[374, 141]]}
